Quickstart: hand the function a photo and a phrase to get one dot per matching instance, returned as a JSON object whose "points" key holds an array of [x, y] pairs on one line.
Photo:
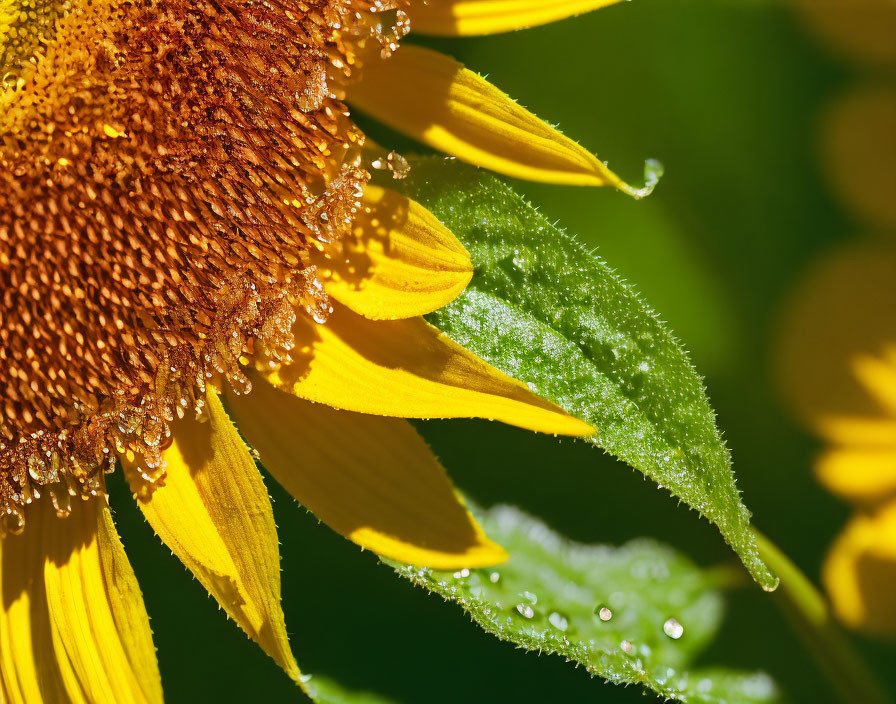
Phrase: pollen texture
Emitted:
{"points": [[165, 167]]}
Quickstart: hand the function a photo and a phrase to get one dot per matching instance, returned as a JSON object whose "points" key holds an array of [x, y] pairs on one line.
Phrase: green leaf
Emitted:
{"points": [[324, 690], [638, 614], [549, 312]]}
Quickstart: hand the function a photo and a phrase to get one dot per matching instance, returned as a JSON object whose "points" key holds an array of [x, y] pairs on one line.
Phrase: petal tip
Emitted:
{"points": [[653, 172]]}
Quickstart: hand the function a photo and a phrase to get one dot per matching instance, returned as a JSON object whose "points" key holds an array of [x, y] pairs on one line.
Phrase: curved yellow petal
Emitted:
{"points": [[838, 334], [371, 479], [858, 473], [408, 369], [464, 18], [860, 149], [860, 573], [433, 98], [29, 673], [400, 261], [73, 616], [213, 511]]}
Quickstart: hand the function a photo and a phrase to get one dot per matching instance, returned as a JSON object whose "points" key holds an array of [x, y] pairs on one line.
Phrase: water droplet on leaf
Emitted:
{"points": [[673, 628]]}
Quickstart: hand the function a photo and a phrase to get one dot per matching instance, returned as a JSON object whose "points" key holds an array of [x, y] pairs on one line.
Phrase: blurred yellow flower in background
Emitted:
{"points": [[838, 371], [859, 150], [838, 350], [861, 30], [858, 142]]}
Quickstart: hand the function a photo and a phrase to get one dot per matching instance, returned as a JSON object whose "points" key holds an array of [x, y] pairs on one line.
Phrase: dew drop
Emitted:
{"points": [[530, 597], [673, 628], [627, 647], [525, 610], [558, 621], [603, 613]]}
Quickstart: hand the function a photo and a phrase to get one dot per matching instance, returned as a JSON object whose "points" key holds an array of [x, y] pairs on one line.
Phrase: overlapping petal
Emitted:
{"points": [[372, 479], [29, 673], [214, 513], [400, 261], [476, 17], [408, 369], [72, 624], [433, 98]]}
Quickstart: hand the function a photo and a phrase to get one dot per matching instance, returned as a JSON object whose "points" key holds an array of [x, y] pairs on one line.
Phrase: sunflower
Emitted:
{"points": [[189, 239]]}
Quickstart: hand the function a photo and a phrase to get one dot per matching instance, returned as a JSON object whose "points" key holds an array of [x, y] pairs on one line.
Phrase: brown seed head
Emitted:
{"points": [[165, 166]]}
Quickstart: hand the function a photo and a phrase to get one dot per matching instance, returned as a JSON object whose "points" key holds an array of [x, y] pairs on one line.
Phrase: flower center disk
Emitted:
{"points": [[165, 167]]}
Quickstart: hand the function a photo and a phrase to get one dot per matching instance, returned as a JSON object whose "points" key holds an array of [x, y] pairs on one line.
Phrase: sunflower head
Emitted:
{"points": [[165, 170]]}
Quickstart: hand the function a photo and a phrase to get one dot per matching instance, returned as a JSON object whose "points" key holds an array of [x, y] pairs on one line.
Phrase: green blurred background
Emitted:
{"points": [[728, 95]]}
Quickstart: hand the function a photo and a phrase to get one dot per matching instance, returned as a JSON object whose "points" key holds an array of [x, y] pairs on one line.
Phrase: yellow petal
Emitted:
{"points": [[860, 573], [860, 148], [214, 513], [457, 18], [877, 373], [408, 369], [431, 97], [852, 431], [842, 317], [860, 473], [372, 479], [29, 673], [74, 598], [400, 262]]}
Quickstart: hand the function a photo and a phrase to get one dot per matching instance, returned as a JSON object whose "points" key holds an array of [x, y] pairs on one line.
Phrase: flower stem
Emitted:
{"points": [[808, 612]]}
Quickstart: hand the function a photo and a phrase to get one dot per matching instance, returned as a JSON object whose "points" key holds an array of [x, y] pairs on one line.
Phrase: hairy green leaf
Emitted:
{"points": [[550, 313], [639, 613]]}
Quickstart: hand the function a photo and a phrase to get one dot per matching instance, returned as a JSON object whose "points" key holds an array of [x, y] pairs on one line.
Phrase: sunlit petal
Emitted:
{"points": [[29, 673], [400, 262], [455, 18], [214, 513], [73, 625], [431, 97], [408, 369], [372, 479]]}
